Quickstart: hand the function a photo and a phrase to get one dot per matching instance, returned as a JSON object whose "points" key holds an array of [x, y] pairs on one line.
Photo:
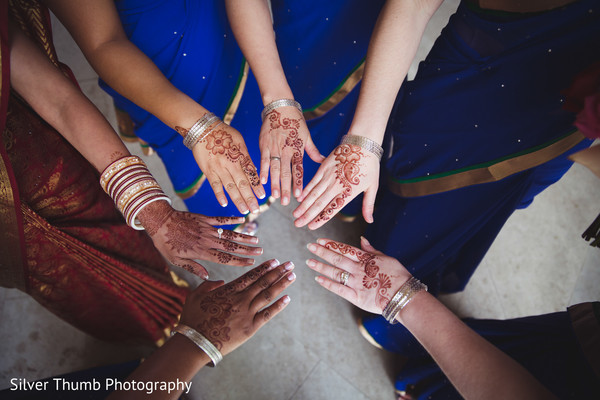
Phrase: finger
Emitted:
{"points": [[250, 171], [317, 178], [251, 276], [234, 193], [217, 187], [351, 252], [312, 151], [369, 202], [268, 287], [206, 286], [335, 259], [216, 221], [265, 161], [286, 178], [366, 246], [333, 273], [233, 247], [275, 176], [228, 259], [298, 173], [192, 266], [310, 198], [268, 313], [322, 210], [337, 288], [245, 189], [234, 236]]}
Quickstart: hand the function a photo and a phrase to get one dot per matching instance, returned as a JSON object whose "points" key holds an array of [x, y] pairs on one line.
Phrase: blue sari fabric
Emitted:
{"points": [[490, 88], [192, 44], [546, 345]]}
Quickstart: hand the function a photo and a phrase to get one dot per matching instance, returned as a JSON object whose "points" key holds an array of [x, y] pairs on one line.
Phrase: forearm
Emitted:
{"points": [[96, 27], [393, 46], [178, 359], [253, 29], [476, 368]]}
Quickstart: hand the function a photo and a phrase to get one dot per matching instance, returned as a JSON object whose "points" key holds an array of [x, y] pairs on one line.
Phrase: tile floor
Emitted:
{"points": [[538, 264]]}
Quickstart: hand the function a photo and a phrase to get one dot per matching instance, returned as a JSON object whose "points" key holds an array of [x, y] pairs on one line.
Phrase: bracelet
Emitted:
{"points": [[201, 138], [132, 218], [401, 298], [205, 345], [198, 129], [365, 143], [279, 103], [110, 171]]}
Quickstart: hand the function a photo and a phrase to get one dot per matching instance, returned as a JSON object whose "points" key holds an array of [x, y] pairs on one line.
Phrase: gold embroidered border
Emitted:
{"points": [[491, 173], [338, 95], [193, 189], [237, 98]]}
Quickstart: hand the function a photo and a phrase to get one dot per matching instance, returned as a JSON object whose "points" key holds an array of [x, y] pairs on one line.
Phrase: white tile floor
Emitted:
{"points": [[538, 264]]}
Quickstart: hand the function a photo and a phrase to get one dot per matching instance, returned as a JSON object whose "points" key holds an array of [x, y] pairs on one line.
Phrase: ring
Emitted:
{"points": [[275, 158], [220, 232], [344, 278]]}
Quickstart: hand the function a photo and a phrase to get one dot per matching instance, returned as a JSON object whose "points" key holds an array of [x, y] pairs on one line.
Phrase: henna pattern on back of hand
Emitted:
{"points": [[291, 127], [155, 220], [220, 142], [219, 307], [179, 231], [347, 173]]}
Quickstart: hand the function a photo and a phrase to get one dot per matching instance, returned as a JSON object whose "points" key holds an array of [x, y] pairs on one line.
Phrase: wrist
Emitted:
{"points": [[154, 215], [277, 94], [416, 308]]}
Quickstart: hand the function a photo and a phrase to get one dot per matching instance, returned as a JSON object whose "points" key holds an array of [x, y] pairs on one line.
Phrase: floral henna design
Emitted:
{"points": [[373, 279], [219, 307], [178, 233], [221, 142], [156, 220], [291, 127], [224, 258], [347, 173]]}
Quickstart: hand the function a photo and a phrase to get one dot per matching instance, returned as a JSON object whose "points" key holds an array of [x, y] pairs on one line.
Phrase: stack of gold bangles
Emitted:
{"points": [[402, 297], [131, 186]]}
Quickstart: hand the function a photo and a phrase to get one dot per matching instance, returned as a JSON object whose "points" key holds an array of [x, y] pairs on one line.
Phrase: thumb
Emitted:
{"points": [[312, 151], [366, 246], [369, 203]]}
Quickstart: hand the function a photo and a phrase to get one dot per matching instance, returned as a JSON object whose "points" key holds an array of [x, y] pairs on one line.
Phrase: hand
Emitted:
{"points": [[284, 137], [230, 314], [224, 159], [374, 277], [182, 237], [348, 171]]}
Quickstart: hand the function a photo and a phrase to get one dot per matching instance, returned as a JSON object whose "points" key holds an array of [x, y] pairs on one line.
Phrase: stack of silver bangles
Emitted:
{"points": [[279, 103], [200, 130], [365, 143], [402, 297], [203, 343]]}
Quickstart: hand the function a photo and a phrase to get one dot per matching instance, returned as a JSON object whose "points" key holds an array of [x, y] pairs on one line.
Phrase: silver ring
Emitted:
{"points": [[220, 232], [344, 278], [275, 158]]}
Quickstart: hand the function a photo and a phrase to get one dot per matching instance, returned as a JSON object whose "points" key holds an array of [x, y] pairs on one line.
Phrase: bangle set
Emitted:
{"points": [[402, 297], [200, 130], [279, 103], [199, 340], [131, 186], [365, 143]]}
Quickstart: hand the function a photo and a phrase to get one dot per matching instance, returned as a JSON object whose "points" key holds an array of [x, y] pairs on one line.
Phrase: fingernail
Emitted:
{"points": [[262, 196], [255, 211], [285, 200], [276, 261], [263, 180], [291, 276], [297, 193], [321, 241], [289, 266], [259, 251], [245, 212], [254, 240], [223, 204], [319, 279], [310, 262], [286, 299], [312, 247], [276, 193], [205, 277]]}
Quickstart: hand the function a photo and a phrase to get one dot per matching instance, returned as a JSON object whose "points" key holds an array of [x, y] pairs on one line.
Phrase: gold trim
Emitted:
{"points": [[589, 158], [193, 190], [366, 335], [350, 83], [235, 103], [492, 173]]}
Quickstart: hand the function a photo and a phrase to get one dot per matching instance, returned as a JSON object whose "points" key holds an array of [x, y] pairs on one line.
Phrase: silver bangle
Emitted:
{"points": [[205, 134], [365, 143], [203, 343], [401, 298], [279, 103], [198, 129]]}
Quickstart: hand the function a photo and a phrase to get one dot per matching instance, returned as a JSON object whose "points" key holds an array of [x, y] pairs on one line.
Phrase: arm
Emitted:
{"points": [[36, 79], [247, 310], [393, 46], [476, 368], [284, 133], [95, 26]]}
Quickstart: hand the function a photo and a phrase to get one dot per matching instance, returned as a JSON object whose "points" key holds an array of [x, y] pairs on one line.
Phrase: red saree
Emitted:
{"points": [[61, 239]]}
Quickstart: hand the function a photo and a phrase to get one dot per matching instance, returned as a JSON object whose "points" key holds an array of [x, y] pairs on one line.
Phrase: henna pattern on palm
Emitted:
{"points": [[347, 173], [373, 279], [221, 142], [291, 127]]}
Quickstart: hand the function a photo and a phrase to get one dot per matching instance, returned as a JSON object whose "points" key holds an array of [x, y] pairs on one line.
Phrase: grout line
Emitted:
{"points": [[305, 379]]}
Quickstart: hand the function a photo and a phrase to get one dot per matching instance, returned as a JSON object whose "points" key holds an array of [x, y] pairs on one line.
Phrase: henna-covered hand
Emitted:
{"points": [[223, 158], [348, 171], [183, 237], [374, 277], [229, 314], [285, 136]]}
